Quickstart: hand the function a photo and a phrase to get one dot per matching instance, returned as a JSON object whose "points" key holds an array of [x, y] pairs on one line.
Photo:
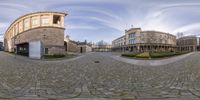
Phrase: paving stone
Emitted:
{"points": [[111, 79]]}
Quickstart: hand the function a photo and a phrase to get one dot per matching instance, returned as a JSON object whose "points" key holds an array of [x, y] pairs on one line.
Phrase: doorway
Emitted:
{"points": [[23, 49], [81, 49], [46, 50]]}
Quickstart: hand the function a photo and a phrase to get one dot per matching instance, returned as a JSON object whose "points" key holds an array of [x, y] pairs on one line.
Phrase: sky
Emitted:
{"points": [[95, 20]]}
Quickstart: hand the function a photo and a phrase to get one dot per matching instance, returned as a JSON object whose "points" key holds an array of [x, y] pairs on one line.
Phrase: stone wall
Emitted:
{"points": [[56, 50], [156, 37], [51, 38], [72, 47], [187, 40], [85, 48]]}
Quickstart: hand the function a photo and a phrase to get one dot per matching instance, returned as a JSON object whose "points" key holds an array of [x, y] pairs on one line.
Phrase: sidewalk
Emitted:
{"points": [[151, 62]]}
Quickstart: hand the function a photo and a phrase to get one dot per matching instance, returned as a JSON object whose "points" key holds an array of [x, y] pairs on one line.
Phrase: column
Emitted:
{"points": [[51, 19], [62, 21], [30, 22], [40, 21]]}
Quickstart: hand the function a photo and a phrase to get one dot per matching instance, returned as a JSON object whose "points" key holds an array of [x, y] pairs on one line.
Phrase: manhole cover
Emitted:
{"points": [[96, 61]]}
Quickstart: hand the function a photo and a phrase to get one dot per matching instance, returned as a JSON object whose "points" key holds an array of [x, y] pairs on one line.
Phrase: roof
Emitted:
{"points": [[187, 37], [82, 43], [73, 42], [119, 37], [158, 32], [133, 29]]}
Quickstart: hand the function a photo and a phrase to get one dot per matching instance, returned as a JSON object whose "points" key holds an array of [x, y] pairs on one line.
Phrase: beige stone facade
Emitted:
{"points": [[188, 43], [71, 46], [136, 40], [77, 47], [102, 48], [84, 48], [47, 27], [119, 42]]}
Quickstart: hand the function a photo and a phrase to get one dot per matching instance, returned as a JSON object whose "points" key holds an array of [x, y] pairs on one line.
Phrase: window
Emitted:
{"points": [[132, 41], [45, 20], [56, 19], [35, 21], [131, 35], [26, 24], [46, 50], [199, 41], [20, 26]]}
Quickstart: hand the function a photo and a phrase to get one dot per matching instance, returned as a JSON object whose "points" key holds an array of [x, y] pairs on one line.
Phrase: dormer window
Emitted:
{"points": [[56, 19]]}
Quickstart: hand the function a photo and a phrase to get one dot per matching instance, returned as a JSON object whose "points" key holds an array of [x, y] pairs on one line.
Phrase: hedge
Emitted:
{"points": [[129, 54], [54, 56], [153, 54], [143, 55], [165, 54]]}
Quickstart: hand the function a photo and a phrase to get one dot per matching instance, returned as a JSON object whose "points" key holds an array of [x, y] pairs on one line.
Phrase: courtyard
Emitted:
{"points": [[98, 76]]}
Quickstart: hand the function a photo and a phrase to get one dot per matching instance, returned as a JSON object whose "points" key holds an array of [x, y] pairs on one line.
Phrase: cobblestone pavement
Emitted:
{"points": [[97, 76]]}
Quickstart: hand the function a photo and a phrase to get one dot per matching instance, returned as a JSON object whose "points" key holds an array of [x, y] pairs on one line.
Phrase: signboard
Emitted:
{"points": [[35, 49]]}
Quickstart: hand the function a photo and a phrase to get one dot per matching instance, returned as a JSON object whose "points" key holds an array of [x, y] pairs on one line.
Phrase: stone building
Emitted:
{"points": [[102, 48], [198, 43], [77, 47], [70, 45], [119, 44], [84, 47], [188, 43], [136, 40], [46, 27]]}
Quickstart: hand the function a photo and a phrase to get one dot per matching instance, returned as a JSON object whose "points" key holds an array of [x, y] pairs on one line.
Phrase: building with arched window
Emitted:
{"points": [[136, 40], [188, 43]]}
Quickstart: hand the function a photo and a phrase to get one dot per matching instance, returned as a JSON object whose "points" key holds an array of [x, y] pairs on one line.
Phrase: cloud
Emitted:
{"points": [[3, 25], [75, 27], [188, 28], [109, 18], [167, 16], [19, 6]]}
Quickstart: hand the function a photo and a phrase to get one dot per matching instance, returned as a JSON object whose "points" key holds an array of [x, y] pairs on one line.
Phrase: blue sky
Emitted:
{"points": [[96, 20]]}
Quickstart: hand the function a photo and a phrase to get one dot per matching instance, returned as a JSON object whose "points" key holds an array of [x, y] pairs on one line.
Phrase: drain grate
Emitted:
{"points": [[96, 62]]}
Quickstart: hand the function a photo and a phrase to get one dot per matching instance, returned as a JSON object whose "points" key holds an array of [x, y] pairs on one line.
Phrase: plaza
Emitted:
{"points": [[98, 76]]}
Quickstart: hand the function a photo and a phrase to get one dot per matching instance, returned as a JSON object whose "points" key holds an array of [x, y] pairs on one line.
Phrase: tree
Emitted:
{"points": [[101, 43]]}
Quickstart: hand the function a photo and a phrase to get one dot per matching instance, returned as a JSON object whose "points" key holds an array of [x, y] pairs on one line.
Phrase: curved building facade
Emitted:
{"points": [[188, 43], [140, 41], [45, 27]]}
